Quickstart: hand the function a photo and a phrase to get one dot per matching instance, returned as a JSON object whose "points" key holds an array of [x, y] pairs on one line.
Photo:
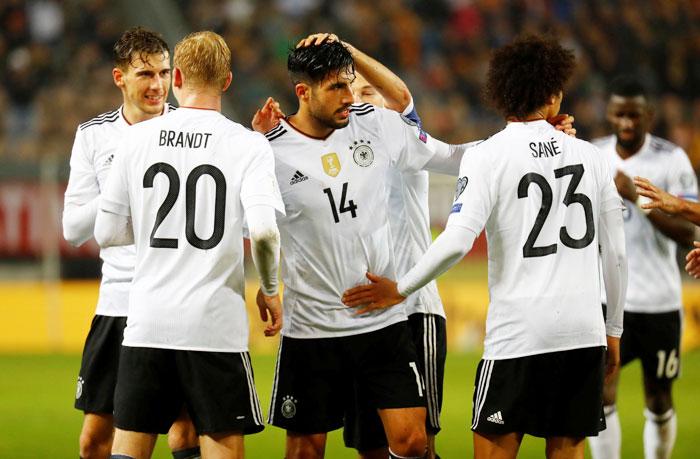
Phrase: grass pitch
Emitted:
{"points": [[37, 419]]}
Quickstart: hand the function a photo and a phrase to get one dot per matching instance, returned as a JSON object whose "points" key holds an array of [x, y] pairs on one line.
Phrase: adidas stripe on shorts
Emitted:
{"points": [[545, 395]]}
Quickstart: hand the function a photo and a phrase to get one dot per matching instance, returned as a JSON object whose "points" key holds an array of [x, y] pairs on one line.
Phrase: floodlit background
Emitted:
{"points": [[55, 72]]}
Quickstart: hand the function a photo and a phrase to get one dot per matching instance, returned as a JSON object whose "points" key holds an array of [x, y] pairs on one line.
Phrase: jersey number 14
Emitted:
{"points": [[348, 206]]}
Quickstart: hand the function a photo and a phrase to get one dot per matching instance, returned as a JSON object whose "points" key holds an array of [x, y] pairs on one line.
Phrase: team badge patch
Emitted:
{"points": [[461, 185], [289, 407], [456, 208], [79, 389], [331, 164], [363, 155]]}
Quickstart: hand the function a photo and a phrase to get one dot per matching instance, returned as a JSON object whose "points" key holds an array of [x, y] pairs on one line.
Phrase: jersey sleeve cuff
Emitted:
{"points": [[264, 200], [115, 208]]}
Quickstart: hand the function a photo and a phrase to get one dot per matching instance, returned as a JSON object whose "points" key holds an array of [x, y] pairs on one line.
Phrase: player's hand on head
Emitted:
{"points": [[612, 358], [692, 266], [625, 186], [270, 309], [267, 117], [317, 39], [563, 122], [660, 199], [378, 294]]}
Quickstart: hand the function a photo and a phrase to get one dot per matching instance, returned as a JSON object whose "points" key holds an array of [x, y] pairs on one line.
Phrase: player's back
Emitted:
{"points": [[546, 194], [185, 174]]}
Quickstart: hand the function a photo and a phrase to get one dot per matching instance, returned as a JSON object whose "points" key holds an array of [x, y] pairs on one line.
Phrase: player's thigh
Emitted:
{"points": [[491, 446], [545, 395], [305, 445], [97, 430], [222, 446], [99, 365], [182, 434], [311, 384], [403, 423], [565, 448], [363, 428], [219, 392], [430, 339], [148, 396]]}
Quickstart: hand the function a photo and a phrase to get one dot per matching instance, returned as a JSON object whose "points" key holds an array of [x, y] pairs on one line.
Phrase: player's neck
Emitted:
{"points": [[303, 122], [537, 115], [201, 100], [133, 115]]}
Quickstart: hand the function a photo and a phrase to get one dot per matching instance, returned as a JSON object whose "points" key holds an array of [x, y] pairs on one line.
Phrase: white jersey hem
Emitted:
{"points": [[342, 334], [184, 348], [543, 351]]}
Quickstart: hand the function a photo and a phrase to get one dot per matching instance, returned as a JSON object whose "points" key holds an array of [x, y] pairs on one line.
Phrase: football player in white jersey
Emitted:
{"points": [[179, 189], [548, 203], [142, 73], [653, 303], [332, 162]]}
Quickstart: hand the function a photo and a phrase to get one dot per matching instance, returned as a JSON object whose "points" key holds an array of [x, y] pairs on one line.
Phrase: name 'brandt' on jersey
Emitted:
{"points": [[337, 225]]}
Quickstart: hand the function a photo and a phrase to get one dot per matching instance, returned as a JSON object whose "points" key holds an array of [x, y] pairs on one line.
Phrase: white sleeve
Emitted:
{"points": [[681, 179], [410, 148], [112, 229], [260, 185], [475, 196], [265, 245], [614, 262], [82, 193], [449, 247], [115, 196], [448, 158]]}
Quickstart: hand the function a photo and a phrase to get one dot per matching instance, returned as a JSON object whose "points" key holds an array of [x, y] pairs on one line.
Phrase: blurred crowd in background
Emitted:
{"points": [[55, 58]]}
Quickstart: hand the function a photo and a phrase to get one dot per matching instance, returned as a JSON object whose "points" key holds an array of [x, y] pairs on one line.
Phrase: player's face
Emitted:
{"points": [[363, 92], [330, 100], [630, 118], [145, 83]]}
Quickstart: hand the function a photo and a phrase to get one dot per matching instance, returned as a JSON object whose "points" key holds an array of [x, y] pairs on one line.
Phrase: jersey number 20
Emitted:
{"points": [[190, 202], [576, 172]]}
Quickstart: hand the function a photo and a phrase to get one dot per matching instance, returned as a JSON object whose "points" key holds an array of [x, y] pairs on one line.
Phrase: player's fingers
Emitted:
{"points": [[357, 290], [358, 300], [320, 38], [696, 244], [373, 277], [369, 308]]}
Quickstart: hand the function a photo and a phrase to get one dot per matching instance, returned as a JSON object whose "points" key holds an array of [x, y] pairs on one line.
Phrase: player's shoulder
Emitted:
{"points": [[662, 146], [105, 118], [359, 110], [276, 133], [604, 142]]}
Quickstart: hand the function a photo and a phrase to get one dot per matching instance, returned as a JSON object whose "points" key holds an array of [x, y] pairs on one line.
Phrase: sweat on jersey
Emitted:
{"points": [[337, 224], [92, 156], [540, 194], [654, 281], [185, 179]]}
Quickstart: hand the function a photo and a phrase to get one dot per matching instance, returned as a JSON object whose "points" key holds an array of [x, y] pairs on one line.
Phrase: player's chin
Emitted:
{"points": [[341, 122]]}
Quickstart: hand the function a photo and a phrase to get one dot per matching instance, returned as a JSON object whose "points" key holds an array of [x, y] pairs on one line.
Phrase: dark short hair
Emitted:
{"points": [[137, 42], [312, 64], [523, 75], [628, 86]]}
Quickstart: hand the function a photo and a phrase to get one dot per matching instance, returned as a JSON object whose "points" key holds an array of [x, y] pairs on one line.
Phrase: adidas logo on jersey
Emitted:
{"points": [[496, 418], [298, 178]]}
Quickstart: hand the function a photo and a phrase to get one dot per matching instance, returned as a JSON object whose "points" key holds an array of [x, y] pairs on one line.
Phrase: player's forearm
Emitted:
{"points": [[448, 249], [389, 85], [265, 246], [690, 211], [675, 227], [79, 221], [113, 230], [614, 264]]}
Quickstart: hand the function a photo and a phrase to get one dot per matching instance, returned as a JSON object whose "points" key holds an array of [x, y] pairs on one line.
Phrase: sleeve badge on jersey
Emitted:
{"points": [[456, 208], [461, 185], [331, 164], [422, 135]]}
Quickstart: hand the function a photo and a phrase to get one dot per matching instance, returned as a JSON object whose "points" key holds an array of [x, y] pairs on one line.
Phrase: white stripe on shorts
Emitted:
{"points": [[254, 402], [273, 398], [481, 390], [429, 363]]}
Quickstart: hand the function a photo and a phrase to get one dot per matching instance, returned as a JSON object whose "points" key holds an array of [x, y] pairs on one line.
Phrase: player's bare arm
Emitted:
{"points": [[692, 266], [672, 226], [267, 117], [666, 202]]}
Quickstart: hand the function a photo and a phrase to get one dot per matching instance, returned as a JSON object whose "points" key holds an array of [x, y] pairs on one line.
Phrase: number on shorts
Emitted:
{"points": [[668, 365], [419, 383]]}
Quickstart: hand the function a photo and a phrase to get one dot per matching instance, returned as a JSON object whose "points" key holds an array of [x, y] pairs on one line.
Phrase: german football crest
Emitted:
{"points": [[289, 407], [331, 164], [363, 155]]}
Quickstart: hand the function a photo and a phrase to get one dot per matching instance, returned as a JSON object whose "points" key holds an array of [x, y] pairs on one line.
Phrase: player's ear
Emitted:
{"points": [[177, 77], [303, 91], [229, 78], [118, 77]]}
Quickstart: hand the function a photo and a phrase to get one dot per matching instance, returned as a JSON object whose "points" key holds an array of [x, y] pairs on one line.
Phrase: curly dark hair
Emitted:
{"points": [[312, 64], [523, 75], [137, 42]]}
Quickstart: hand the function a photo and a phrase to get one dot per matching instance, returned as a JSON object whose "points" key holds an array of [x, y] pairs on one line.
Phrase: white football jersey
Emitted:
{"points": [[337, 225], [185, 179], [539, 193], [654, 282], [94, 146]]}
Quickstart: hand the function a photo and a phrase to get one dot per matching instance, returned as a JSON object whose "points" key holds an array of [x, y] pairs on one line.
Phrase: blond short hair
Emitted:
{"points": [[204, 59]]}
